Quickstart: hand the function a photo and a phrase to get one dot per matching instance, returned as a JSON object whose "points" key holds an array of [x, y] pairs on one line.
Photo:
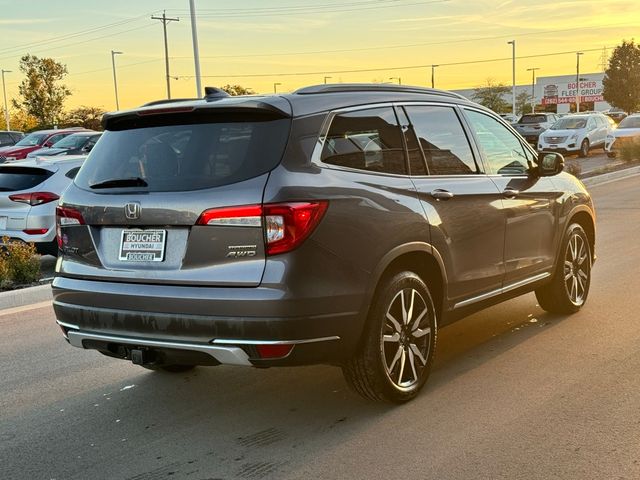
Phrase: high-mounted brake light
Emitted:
{"points": [[286, 225], [160, 111], [66, 216], [34, 198]]}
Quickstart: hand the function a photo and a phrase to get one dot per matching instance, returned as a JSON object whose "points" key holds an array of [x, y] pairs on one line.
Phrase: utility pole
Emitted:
{"points": [[196, 53], [275, 87], [6, 107], [164, 19], [578, 81], [326, 78], [533, 88], [513, 88], [433, 75], [115, 80], [396, 78]]}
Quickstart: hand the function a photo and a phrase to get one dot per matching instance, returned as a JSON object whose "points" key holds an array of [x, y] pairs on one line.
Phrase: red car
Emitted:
{"points": [[34, 141]]}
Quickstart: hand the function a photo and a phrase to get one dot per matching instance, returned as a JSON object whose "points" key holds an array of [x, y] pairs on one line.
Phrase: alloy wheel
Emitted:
{"points": [[576, 269], [406, 338]]}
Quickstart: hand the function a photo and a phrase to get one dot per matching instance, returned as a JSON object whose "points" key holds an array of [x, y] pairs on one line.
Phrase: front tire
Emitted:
{"points": [[568, 290], [584, 149], [395, 357]]}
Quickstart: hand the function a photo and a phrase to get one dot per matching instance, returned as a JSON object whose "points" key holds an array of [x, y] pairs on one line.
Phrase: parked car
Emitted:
{"points": [[29, 192], [33, 141], [577, 133], [9, 138], [531, 125], [628, 131], [510, 118], [616, 115], [339, 224], [79, 143]]}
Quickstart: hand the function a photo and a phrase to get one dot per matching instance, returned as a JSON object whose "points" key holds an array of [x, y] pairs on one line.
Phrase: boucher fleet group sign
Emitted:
{"points": [[556, 93]]}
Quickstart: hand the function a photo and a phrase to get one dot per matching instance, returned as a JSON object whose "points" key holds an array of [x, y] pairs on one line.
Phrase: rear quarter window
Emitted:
{"points": [[13, 179], [188, 157]]}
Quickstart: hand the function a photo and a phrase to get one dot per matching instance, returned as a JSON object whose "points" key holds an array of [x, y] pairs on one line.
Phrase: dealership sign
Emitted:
{"points": [[565, 92]]}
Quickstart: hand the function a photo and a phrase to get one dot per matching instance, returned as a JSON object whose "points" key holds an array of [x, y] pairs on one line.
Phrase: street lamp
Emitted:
{"points": [[513, 88], [275, 87], [396, 78], [578, 81], [433, 75], [6, 107], [326, 78], [115, 80], [533, 88]]}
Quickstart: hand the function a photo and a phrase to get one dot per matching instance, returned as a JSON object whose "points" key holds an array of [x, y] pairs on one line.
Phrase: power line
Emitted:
{"points": [[382, 69]]}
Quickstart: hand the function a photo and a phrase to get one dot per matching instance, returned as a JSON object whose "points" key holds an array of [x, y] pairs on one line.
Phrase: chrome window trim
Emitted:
{"points": [[499, 291]]}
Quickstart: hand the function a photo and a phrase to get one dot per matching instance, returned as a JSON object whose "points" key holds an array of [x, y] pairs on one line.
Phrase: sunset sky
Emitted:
{"points": [[268, 41]]}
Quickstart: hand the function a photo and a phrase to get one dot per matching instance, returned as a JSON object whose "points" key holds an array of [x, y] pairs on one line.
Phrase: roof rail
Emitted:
{"points": [[372, 87], [167, 100]]}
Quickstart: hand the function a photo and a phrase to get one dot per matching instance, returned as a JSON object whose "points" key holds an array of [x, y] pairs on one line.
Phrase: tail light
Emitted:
{"points": [[66, 216], [36, 231], [34, 198], [286, 225]]}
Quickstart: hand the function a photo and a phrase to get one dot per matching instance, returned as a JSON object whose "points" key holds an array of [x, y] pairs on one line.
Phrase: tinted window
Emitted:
{"points": [[366, 140], [21, 178], [72, 173], [442, 140], [5, 139], [502, 149], [416, 160], [533, 119], [190, 156], [630, 122], [56, 138]]}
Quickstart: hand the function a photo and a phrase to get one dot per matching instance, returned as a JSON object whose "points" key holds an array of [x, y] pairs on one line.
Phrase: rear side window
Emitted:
{"points": [[443, 141], [366, 140], [13, 179], [187, 157], [72, 173], [5, 139]]}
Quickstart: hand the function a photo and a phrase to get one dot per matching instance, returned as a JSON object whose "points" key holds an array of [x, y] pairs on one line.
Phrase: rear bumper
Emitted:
{"points": [[223, 323]]}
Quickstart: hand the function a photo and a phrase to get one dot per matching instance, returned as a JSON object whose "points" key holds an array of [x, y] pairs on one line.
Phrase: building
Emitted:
{"points": [[558, 94]]}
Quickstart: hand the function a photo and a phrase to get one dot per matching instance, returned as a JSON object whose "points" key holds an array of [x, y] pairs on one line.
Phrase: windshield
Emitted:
{"points": [[533, 119], [186, 157], [72, 141], [630, 122], [32, 140], [570, 123]]}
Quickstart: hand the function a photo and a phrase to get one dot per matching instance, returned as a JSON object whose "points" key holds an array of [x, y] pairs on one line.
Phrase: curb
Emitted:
{"points": [[25, 296], [611, 176]]}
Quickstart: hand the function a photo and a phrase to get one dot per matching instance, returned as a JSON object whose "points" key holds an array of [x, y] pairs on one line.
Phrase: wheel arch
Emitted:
{"points": [[585, 218]]}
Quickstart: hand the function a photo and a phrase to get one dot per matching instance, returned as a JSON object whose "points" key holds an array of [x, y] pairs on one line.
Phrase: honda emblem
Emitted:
{"points": [[132, 210]]}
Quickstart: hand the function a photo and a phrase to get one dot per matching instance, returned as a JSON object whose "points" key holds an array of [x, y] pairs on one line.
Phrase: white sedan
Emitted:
{"points": [[628, 131]]}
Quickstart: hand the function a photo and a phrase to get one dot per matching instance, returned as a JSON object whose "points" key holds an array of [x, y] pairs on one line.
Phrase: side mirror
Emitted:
{"points": [[550, 163]]}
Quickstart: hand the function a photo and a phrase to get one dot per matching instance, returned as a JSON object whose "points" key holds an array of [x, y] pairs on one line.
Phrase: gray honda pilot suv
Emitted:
{"points": [[339, 224]]}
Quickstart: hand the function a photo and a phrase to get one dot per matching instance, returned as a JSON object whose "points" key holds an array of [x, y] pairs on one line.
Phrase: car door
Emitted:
{"points": [[460, 202], [528, 201]]}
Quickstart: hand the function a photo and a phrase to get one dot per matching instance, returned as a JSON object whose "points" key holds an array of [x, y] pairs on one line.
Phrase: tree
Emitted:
{"points": [[523, 103], [491, 96], [18, 120], [622, 78], [42, 93], [87, 117], [234, 90]]}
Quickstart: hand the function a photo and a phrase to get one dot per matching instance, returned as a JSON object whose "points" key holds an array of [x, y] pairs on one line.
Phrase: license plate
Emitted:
{"points": [[142, 245]]}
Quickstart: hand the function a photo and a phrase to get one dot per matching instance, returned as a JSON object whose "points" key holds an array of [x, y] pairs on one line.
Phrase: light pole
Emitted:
{"points": [[433, 75], [275, 87], [115, 80], [196, 53], [396, 78], [533, 88], [6, 107], [578, 81], [326, 78], [164, 19], [513, 88]]}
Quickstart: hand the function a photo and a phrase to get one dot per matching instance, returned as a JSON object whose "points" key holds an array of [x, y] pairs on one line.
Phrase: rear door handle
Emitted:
{"points": [[510, 192], [440, 194]]}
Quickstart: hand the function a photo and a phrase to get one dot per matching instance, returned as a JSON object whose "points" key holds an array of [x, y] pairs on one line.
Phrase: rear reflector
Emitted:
{"points": [[286, 225], [36, 231], [273, 351], [34, 198]]}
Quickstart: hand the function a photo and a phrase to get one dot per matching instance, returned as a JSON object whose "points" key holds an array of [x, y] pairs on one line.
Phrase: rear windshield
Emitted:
{"points": [[533, 119], [187, 157], [13, 179], [630, 122]]}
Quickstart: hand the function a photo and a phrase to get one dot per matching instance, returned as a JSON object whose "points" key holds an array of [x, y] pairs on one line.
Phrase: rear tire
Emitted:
{"points": [[568, 290], [584, 149], [170, 368], [395, 357]]}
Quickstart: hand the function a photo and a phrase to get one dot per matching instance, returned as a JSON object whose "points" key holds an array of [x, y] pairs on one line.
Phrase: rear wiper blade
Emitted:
{"points": [[121, 182]]}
